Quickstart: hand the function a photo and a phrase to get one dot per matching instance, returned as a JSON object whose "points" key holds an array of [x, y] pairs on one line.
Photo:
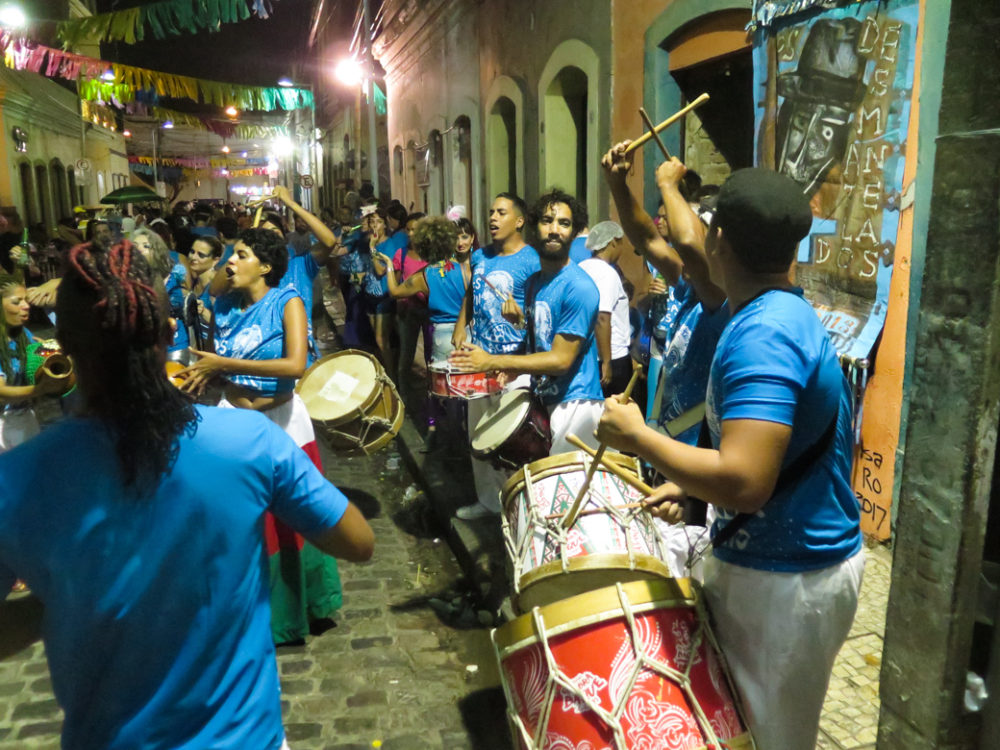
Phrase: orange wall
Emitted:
{"points": [[883, 403]]}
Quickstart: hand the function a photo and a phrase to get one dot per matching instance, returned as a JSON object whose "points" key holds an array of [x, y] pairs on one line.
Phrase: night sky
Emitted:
{"points": [[253, 52]]}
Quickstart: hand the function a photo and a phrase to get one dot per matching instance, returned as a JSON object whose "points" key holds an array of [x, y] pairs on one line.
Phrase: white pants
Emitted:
{"points": [[488, 481], [290, 416], [780, 634], [578, 417]]}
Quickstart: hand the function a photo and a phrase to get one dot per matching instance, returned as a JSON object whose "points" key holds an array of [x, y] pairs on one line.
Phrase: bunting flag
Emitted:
{"points": [[202, 162], [241, 131], [21, 54], [165, 18]]}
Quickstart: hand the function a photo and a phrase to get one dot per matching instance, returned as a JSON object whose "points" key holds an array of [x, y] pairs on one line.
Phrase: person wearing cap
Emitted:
{"points": [[783, 581], [613, 331], [692, 313]]}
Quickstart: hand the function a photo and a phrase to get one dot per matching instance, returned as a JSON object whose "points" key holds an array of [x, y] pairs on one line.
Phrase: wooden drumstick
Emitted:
{"points": [[642, 139], [652, 129], [624, 474], [256, 218], [574, 511], [260, 202]]}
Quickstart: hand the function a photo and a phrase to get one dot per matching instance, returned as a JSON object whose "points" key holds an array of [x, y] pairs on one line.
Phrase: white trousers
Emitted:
{"points": [[780, 634], [578, 417], [488, 481]]}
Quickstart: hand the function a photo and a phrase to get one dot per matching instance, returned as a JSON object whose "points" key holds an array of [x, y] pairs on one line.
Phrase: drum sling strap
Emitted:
{"points": [[788, 475]]}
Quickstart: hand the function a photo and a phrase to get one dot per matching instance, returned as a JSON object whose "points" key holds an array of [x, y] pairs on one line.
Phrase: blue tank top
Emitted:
{"points": [[256, 332], [445, 291]]}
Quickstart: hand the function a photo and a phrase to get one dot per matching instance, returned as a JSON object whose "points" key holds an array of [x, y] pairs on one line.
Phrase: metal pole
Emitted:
{"points": [[372, 136], [156, 129], [313, 192]]}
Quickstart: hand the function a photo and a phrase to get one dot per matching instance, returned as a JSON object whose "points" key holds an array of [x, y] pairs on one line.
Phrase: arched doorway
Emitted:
{"points": [[697, 46], [501, 148], [60, 199], [569, 112], [565, 118], [461, 162], [434, 190], [30, 211]]}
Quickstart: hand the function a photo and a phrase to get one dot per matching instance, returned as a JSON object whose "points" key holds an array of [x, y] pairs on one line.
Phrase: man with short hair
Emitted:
{"points": [[783, 582], [560, 351], [499, 273], [613, 330]]}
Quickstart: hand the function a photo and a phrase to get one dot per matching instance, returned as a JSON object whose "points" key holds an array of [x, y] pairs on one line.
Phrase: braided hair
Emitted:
{"points": [[112, 318], [20, 337]]}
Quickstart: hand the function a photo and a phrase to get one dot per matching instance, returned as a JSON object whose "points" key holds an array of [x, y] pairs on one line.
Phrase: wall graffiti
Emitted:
{"points": [[833, 116]]}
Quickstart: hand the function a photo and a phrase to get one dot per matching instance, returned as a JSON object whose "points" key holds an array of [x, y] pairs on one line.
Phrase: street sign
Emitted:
{"points": [[82, 165], [306, 181]]}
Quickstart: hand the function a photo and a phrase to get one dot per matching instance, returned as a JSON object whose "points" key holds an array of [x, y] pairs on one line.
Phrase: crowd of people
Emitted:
{"points": [[740, 403]]}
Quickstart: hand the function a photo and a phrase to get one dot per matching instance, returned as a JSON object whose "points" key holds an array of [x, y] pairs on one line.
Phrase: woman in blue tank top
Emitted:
{"points": [[260, 350]]}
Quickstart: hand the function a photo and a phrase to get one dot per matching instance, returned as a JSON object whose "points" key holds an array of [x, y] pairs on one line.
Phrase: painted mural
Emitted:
{"points": [[833, 87]]}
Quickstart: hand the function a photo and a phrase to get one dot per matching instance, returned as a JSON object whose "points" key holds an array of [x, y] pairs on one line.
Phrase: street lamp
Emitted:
{"points": [[12, 17]]}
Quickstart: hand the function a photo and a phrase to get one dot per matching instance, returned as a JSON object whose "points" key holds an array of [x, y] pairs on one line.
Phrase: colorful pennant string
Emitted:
{"points": [[21, 54], [163, 19]]}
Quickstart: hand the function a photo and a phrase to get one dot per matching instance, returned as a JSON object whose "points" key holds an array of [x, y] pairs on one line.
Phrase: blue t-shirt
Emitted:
{"points": [[157, 619], [775, 363], [176, 295], [19, 378], [566, 303], [302, 271], [689, 334], [578, 251], [445, 291], [353, 262], [257, 332], [375, 285], [507, 275]]}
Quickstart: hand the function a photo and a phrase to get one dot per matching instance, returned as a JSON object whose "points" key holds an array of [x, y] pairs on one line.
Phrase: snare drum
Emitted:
{"points": [[631, 667], [512, 431], [609, 542], [351, 401], [444, 382]]}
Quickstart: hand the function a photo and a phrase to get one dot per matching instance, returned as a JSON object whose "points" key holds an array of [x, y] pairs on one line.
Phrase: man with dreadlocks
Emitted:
{"points": [[146, 548]]}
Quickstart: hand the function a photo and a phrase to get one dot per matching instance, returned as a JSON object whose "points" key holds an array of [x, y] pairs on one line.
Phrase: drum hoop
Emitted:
{"points": [[594, 562], [487, 450], [364, 405], [557, 464], [593, 607]]}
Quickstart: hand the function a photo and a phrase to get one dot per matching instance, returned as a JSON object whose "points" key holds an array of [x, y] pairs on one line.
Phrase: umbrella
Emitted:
{"points": [[131, 194]]}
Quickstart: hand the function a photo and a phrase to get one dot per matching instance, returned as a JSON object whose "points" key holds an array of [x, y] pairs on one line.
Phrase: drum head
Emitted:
{"points": [[500, 420], [439, 366], [338, 384]]}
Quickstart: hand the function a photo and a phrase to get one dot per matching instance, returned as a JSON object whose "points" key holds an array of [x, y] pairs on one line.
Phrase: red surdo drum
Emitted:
{"points": [[634, 666]]}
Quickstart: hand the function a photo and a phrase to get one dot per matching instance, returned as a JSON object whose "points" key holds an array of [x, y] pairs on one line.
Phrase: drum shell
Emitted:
{"points": [[529, 440], [589, 640], [372, 424], [463, 386], [601, 548]]}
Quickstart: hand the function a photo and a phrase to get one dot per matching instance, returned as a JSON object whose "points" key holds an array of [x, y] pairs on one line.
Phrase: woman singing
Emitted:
{"points": [[260, 350]]}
